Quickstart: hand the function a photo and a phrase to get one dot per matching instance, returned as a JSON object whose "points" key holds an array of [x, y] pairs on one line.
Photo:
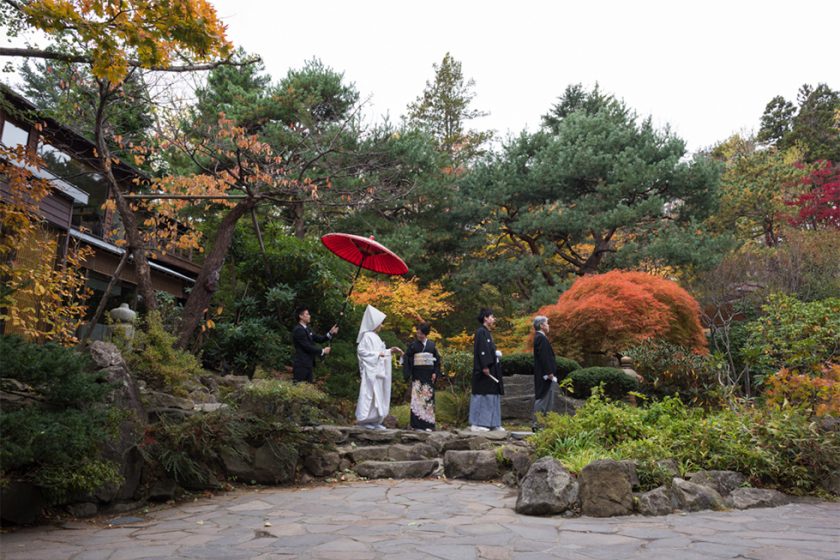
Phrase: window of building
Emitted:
{"points": [[14, 135], [91, 217]]}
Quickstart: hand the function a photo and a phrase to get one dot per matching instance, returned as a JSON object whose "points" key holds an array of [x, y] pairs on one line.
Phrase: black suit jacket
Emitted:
{"points": [[306, 351], [544, 364]]}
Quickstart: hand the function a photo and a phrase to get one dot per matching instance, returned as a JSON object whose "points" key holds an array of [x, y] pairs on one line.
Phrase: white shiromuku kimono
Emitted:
{"points": [[375, 389]]}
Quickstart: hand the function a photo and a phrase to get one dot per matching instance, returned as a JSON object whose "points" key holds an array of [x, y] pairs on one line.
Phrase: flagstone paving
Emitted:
{"points": [[414, 519]]}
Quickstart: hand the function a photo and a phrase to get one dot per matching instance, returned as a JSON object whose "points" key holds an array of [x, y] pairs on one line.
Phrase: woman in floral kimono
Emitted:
{"points": [[421, 368]]}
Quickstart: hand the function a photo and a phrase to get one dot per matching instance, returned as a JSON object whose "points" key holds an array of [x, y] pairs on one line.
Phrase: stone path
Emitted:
{"points": [[412, 519]]}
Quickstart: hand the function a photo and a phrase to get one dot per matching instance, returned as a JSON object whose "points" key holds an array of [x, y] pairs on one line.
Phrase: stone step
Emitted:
{"points": [[397, 469], [396, 452], [472, 465]]}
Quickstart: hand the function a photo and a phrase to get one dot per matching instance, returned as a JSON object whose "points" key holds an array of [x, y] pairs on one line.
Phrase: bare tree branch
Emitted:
{"points": [[80, 59]]}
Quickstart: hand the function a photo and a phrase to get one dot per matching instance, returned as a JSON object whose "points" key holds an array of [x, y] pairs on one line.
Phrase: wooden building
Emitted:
{"points": [[75, 210]]}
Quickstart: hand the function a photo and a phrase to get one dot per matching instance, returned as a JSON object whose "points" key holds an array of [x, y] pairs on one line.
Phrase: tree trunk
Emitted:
{"points": [[208, 278], [133, 237], [103, 303], [602, 247], [299, 225]]}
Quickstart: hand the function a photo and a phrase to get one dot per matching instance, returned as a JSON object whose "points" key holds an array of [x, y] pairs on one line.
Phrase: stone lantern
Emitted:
{"points": [[627, 367], [626, 363], [123, 317]]}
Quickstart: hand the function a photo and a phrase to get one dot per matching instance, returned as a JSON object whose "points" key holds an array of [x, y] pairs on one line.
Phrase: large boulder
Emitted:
{"points": [[656, 502], [275, 464], [320, 462], [723, 482], [606, 489], [163, 490], [518, 457], [268, 464], [472, 465], [695, 497], [21, 503], [547, 489], [125, 397], [105, 354], [237, 462], [746, 498], [831, 483]]}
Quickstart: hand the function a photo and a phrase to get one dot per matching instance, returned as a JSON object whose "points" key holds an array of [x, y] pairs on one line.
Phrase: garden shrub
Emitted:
{"points": [[520, 363], [777, 447], [819, 394], [616, 383], [54, 443], [669, 369], [452, 407], [607, 313], [457, 368], [800, 336], [565, 366], [452, 398], [154, 359], [338, 375], [299, 403], [402, 413], [238, 348]]}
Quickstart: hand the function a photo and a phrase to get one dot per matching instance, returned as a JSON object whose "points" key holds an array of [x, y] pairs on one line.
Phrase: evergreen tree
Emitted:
{"points": [[812, 126], [443, 109], [596, 189]]}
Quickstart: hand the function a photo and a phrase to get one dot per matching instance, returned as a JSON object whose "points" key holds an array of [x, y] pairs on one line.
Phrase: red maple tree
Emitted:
{"points": [[608, 313], [819, 207]]}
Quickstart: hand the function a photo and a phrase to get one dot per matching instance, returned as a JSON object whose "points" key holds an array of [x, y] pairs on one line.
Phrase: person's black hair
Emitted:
{"points": [[299, 311], [424, 328], [483, 314]]}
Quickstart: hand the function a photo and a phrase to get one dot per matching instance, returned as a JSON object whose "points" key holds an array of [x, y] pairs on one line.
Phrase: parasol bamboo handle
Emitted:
{"points": [[350, 291]]}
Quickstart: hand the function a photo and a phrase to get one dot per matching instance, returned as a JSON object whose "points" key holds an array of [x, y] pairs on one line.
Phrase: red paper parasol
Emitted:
{"points": [[365, 253]]}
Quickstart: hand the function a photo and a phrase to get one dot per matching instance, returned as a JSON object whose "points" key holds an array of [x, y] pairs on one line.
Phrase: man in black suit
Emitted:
{"points": [[545, 369], [305, 348]]}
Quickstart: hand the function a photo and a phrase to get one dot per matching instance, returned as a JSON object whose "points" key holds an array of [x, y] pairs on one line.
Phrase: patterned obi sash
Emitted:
{"points": [[424, 359]]}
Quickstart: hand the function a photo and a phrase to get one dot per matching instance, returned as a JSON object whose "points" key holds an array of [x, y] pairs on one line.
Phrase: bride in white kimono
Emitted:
{"points": [[375, 368]]}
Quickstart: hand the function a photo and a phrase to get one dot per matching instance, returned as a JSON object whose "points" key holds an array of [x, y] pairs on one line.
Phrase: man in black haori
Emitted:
{"points": [[545, 370], [487, 384], [421, 368]]}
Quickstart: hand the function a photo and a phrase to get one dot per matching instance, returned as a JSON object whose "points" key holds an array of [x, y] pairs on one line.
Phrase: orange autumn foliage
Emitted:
{"points": [[614, 311], [819, 393], [404, 302], [39, 299]]}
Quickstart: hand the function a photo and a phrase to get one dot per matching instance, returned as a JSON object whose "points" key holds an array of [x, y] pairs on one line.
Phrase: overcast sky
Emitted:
{"points": [[706, 68]]}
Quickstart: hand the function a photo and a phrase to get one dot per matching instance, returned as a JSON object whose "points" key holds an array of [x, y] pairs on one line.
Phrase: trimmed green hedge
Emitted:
{"points": [[522, 363], [616, 383], [565, 366]]}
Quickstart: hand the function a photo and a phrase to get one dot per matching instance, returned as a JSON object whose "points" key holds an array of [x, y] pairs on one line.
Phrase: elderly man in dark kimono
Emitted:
{"points": [[487, 384], [545, 370], [421, 368]]}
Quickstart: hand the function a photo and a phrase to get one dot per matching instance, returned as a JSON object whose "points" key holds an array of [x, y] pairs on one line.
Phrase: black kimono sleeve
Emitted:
{"points": [[408, 361], [437, 359]]}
